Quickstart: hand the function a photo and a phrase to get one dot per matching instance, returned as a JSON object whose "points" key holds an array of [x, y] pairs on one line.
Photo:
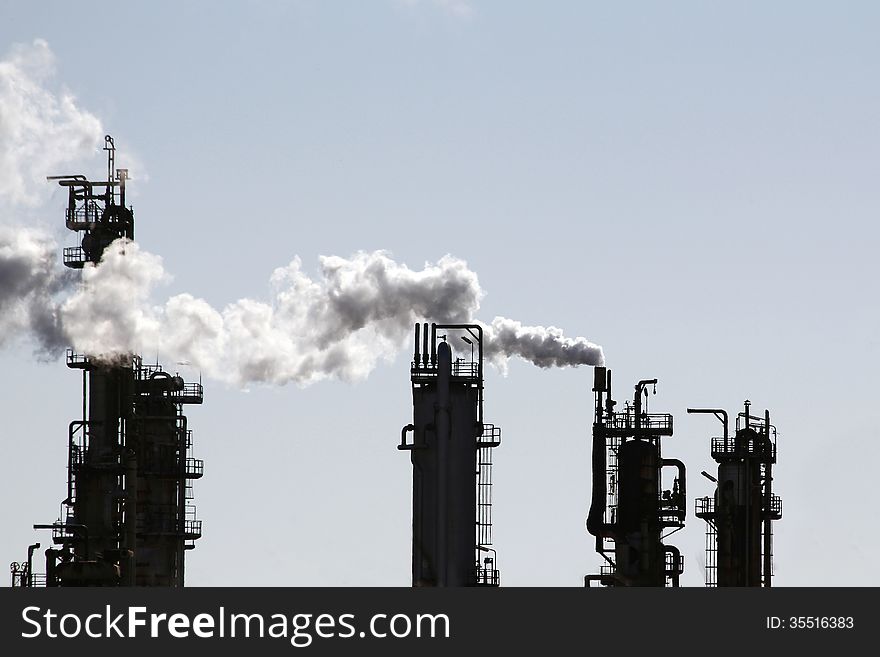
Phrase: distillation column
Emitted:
{"points": [[126, 520], [629, 512], [450, 452], [740, 513]]}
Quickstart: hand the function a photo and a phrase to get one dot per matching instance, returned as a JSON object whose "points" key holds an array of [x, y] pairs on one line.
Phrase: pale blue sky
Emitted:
{"points": [[691, 185]]}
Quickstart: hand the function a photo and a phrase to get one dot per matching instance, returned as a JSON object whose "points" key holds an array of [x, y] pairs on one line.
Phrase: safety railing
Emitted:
{"points": [[192, 529], [83, 217], [487, 574], [461, 369], [192, 393], [704, 506], [673, 564], [194, 468], [74, 257], [491, 436], [657, 423], [776, 506], [744, 448], [465, 368], [75, 360]]}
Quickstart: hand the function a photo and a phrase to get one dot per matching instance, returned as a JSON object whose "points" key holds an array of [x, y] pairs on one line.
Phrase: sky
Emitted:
{"points": [[690, 185]]}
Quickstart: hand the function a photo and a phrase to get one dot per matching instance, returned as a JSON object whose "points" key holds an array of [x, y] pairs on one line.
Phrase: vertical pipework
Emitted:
{"points": [[181, 502], [596, 517], [480, 375], [51, 561], [768, 505], [433, 345], [609, 401], [416, 355], [599, 378], [425, 345], [637, 405], [444, 435], [131, 488]]}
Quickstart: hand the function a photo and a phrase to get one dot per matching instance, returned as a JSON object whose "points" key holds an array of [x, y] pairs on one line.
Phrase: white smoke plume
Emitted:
{"points": [[30, 284], [41, 128], [358, 311], [539, 345]]}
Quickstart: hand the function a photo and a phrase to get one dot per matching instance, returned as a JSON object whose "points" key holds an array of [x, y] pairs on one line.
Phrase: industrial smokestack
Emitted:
{"points": [[416, 352], [425, 345]]}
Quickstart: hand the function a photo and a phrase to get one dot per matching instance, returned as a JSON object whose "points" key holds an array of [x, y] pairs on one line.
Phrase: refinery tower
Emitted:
{"points": [[127, 518]]}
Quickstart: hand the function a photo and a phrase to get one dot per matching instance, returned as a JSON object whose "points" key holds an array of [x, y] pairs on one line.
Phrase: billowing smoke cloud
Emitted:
{"points": [[40, 129], [30, 282], [359, 311]]}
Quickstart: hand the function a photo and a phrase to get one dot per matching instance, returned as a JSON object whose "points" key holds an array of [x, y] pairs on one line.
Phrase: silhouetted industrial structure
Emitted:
{"points": [[739, 516], [629, 512], [127, 519], [451, 453]]}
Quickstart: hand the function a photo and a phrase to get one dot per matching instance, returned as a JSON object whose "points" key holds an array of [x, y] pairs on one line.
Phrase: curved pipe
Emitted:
{"points": [[596, 524], [604, 580], [677, 561], [596, 518], [407, 429], [82, 530], [682, 482], [30, 564], [720, 414]]}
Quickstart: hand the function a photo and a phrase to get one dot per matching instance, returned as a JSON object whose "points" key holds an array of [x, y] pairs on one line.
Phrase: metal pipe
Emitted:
{"points": [[682, 482], [676, 554], [720, 414], [403, 432], [637, 399], [131, 493], [596, 524], [600, 377], [425, 345], [602, 579], [416, 352], [443, 425], [609, 402], [433, 345], [51, 560], [30, 564], [82, 530], [768, 507], [71, 428], [181, 504]]}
